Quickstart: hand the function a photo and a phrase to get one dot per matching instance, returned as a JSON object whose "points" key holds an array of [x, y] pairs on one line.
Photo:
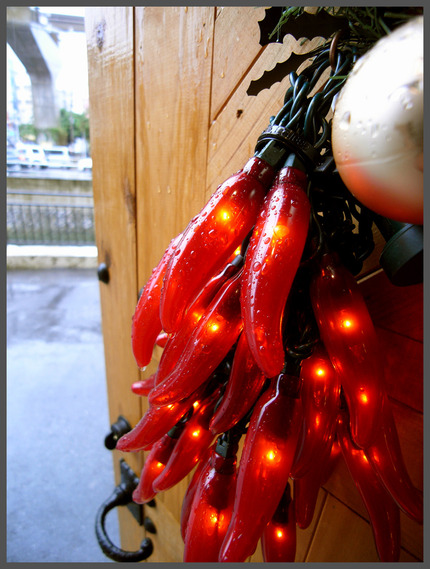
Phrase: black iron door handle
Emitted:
{"points": [[119, 428], [121, 496]]}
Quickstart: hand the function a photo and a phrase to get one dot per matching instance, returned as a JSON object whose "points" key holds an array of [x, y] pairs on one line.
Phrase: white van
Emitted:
{"points": [[58, 157], [32, 156]]}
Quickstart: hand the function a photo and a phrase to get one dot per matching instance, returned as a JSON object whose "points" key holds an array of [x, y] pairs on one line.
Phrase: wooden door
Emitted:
{"points": [[170, 120]]}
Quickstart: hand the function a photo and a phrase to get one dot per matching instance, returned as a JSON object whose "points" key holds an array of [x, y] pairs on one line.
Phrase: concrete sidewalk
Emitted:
{"points": [[58, 470], [51, 257]]}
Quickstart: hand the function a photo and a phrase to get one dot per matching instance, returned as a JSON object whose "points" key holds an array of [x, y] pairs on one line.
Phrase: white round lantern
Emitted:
{"points": [[377, 131]]}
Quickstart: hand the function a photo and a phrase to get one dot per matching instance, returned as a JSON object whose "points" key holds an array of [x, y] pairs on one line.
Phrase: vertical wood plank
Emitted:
{"points": [[111, 91], [173, 79], [236, 40], [233, 135]]}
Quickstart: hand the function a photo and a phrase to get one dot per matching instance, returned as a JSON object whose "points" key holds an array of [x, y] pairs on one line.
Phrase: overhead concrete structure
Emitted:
{"points": [[34, 39]]}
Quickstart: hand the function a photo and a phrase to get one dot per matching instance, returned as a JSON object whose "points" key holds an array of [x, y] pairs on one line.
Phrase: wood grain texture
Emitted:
{"points": [[173, 63], [173, 78], [395, 308], [111, 81], [168, 545], [341, 535], [233, 135], [236, 39]]}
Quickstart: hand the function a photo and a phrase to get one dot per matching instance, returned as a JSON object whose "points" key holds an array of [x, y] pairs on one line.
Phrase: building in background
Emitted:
{"points": [[19, 97], [63, 29]]}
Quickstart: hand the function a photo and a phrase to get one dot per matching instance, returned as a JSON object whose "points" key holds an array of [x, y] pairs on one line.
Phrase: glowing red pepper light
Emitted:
{"points": [[177, 342], [278, 542], [161, 339], [191, 490], [320, 395], [144, 386], [306, 488], [266, 460], [350, 339], [155, 423], [191, 446], [271, 263], [214, 335], [211, 509], [211, 238], [146, 324], [155, 463], [243, 388], [383, 511], [385, 455]]}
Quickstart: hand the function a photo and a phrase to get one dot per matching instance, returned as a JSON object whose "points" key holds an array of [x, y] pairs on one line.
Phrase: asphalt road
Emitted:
{"points": [[58, 469]]}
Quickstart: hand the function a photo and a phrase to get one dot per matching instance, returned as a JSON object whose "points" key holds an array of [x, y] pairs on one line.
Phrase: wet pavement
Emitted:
{"points": [[58, 470]]}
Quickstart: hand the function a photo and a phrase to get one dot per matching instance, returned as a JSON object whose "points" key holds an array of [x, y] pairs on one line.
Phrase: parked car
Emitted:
{"points": [[85, 164], [32, 156], [13, 159], [58, 157]]}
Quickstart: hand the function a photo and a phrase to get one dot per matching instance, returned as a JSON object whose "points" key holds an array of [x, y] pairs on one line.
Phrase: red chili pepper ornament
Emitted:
{"points": [[155, 463], [146, 324], [187, 502], [143, 386], [178, 341], [191, 446], [211, 509], [266, 460], [212, 236], [385, 455], [320, 394], [278, 542], [271, 263], [161, 339], [214, 335], [307, 487], [243, 388], [383, 511], [156, 422], [350, 339]]}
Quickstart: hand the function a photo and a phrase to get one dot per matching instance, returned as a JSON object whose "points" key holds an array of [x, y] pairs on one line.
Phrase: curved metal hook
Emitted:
{"points": [[333, 47], [121, 496]]}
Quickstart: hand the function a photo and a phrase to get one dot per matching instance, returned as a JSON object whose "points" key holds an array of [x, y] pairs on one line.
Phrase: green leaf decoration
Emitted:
{"points": [[361, 27], [303, 25]]}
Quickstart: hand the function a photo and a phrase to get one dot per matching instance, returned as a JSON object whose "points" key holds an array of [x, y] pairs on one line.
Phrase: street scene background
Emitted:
{"points": [[58, 470]]}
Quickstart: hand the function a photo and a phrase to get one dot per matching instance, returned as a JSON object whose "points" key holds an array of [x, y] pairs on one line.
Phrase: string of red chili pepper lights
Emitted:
{"points": [[266, 336]]}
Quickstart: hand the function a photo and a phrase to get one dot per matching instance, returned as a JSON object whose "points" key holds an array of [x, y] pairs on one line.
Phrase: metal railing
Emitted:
{"points": [[41, 218]]}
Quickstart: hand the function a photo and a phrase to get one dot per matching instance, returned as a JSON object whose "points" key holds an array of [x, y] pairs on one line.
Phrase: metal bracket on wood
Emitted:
{"points": [[122, 496]]}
